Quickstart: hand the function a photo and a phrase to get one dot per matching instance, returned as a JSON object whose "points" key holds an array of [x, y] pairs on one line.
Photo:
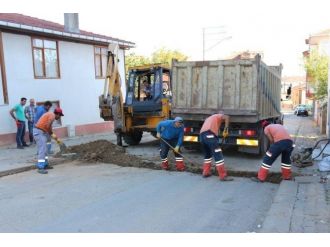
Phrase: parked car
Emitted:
{"points": [[301, 110]]}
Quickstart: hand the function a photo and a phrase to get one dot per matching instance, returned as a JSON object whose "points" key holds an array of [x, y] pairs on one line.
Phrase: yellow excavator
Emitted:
{"points": [[147, 99]]}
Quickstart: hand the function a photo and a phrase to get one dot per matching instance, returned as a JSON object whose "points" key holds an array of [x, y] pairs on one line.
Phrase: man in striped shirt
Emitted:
{"points": [[29, 114]]}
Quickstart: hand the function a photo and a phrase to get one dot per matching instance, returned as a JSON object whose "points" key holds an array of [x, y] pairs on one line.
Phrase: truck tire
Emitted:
{"points": [[133, 138], [264, 144]]}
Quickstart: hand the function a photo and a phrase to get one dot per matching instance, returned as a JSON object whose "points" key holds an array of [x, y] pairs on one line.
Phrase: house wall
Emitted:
{"points": [[77, 90]]}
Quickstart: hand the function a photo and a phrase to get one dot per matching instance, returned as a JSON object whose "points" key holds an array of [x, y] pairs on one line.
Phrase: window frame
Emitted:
{"points": [[101, 65], [43, 58], [3, 74]]}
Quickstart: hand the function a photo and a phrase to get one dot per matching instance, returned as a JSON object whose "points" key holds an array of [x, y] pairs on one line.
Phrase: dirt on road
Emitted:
{"points": [[106, 152]]}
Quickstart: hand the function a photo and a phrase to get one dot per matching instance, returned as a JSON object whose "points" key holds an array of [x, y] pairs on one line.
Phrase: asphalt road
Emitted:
{"points": [[108, 198]]}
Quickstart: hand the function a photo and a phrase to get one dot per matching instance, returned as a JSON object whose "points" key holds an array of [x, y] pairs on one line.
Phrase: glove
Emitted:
{"points": [[225, 132], [177, 149], [158, 135]]}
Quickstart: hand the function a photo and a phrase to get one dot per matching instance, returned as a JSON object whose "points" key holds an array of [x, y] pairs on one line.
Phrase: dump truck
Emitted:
{"points": [[245, 89]]}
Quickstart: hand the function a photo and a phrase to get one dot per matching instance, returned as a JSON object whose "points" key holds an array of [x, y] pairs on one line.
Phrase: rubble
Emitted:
{"points": [[102, 151]]}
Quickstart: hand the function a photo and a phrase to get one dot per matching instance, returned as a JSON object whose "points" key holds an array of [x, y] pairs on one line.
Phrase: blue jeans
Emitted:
{"points": [[20, 134], [30, 126]]}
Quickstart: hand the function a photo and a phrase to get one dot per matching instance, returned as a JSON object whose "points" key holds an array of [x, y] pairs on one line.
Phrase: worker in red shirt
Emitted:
{"points": [[42, 132], [209, 136], [281, 143]]}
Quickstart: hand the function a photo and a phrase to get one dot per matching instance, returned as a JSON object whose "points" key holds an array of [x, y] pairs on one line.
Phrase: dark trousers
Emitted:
{"points": [[283, 147], [164, 148], [211, 147], [20, 134], [30, 127]]}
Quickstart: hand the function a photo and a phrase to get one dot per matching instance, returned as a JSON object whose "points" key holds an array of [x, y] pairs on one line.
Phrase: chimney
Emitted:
{"points": [[71, 22]]}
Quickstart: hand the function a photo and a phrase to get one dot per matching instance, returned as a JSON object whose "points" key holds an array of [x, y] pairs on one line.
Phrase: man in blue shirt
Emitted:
{"points": [[172, 132], [39, 111]]}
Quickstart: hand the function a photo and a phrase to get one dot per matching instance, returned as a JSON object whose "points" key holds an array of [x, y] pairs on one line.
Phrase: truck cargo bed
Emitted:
{"points": [[246, 89]]}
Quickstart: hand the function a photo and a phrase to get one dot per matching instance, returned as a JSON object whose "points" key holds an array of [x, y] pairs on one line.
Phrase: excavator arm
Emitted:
{"points": [[111, 101]]}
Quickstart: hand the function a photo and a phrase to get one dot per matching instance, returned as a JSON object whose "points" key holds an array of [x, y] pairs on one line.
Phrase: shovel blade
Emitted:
{"points": [[63, 147]]}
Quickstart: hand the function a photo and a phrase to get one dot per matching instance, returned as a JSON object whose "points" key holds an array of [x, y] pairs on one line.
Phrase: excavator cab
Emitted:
{"points": [[147, 86], [147, 100]]}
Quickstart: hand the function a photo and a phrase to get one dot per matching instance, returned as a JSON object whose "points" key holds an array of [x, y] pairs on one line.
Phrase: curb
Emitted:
{"points": [[56, 161], [278, 218]]}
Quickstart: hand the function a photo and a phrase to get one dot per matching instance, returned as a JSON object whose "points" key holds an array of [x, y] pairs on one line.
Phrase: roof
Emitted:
{"points": [[25, 23], [147, 67]]}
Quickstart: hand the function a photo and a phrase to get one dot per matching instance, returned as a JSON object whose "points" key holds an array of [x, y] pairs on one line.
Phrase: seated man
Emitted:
{"points": [[147, 90]]}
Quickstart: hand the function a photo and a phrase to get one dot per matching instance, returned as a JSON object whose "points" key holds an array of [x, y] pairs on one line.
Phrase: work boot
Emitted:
{"points": [[179, 165], [221, 172], [42, 171], [286, 173], [262, 173], [165, 165], [206, 170]]}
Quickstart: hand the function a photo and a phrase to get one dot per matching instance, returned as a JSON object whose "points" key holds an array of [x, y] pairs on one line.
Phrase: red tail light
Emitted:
{"points": [[248, 132], [188, 130]]}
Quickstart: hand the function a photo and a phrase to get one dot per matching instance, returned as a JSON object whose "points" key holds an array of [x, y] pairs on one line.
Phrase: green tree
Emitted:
{"points": [[165, 56], [316, 66], [132, 60]]}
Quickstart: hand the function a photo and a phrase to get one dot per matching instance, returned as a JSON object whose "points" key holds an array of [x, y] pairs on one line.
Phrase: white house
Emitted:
{"points": [[48, 61]]}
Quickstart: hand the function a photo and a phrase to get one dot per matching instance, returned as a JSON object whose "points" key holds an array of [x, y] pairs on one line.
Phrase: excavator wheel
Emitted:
{"points": [[133, 138]]}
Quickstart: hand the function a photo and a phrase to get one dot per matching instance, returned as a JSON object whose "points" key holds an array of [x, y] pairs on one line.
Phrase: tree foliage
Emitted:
{"points": [[316, 66], [165, 56], [161, 55]]}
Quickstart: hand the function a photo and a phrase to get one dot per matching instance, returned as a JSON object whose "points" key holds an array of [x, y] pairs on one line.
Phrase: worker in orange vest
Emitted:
{"points": [[41, 133]]}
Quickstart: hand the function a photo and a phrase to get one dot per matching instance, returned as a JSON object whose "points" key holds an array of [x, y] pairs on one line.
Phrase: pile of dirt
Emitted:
{"points": [[106, 152]]}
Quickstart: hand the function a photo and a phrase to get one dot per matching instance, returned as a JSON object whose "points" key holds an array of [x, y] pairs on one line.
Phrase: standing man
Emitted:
{"points": [[171, 131], [29, 114], [20, 123], [39, 111], [281, 143], [209, 136], [42, 132]]}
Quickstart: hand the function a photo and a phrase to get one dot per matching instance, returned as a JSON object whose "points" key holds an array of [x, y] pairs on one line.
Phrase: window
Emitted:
{"points": [[100, 58], [3, 82], [45, 58]]}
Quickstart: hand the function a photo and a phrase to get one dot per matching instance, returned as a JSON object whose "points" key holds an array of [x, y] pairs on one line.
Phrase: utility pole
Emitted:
{"points": [[217, 37], [328, 106], [203, 43]]}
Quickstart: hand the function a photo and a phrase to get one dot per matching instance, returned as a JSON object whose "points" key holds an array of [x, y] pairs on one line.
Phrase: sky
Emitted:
{"points": [[277, 28]]}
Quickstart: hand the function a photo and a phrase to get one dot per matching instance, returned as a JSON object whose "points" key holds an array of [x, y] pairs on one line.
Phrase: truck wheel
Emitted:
{"points": [[133, 138], [264, 144]]}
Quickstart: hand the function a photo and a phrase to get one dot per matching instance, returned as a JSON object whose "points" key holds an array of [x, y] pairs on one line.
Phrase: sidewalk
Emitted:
{"points": [[13, 160]]}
